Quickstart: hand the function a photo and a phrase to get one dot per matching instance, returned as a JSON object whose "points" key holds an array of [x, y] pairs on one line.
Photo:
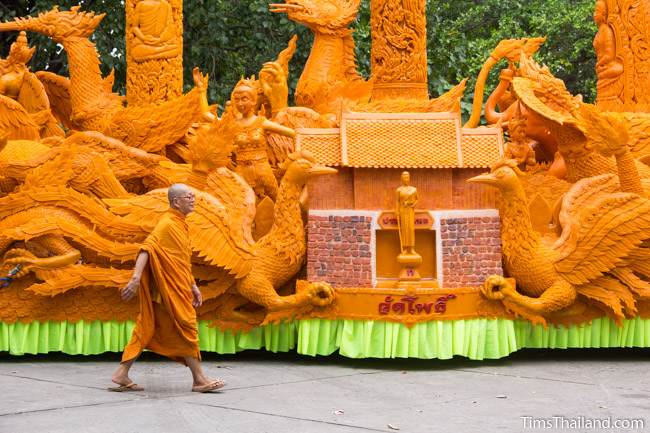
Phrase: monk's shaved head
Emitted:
{"points": [[177, 190], [181, 197]]}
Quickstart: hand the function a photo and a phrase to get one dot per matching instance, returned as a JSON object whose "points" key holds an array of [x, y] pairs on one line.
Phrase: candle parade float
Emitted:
{"points": [[563, 262]]}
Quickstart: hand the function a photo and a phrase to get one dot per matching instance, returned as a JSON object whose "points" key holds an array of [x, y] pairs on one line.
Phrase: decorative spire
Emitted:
{"points": [[20, 53]]}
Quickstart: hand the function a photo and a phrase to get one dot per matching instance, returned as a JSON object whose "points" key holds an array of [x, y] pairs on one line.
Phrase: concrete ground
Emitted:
{"points": [[289, 393]]}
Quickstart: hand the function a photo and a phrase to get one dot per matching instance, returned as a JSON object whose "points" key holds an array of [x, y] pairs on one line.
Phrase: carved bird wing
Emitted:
{"points": [[143, 210], [126, 162], [58, 94], [15, 122], [280, 146], [56, 171], [211, 232], [152, 127], [601, 228], [35, 101], [58, 281], [605, 132], [209, 227], [173, 172], [211, 145], [238, 198], [638, 128]]}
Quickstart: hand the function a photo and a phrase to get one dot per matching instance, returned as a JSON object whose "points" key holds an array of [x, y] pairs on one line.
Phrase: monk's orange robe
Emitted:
{"points": [[167, 320]]}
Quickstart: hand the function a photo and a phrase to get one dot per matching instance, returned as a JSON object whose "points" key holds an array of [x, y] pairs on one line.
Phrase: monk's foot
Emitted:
{"points": [[208, 385], [121, 377]]}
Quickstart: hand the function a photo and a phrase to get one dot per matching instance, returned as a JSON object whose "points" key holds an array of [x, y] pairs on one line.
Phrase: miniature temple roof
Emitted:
{"points": [[403, 140]]}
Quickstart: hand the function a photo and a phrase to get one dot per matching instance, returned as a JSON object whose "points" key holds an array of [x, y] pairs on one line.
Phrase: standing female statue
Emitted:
{"points": [[250, 140]]}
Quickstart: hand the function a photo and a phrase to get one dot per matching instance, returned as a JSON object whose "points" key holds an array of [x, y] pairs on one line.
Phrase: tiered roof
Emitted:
{"points": [[403, 140]]}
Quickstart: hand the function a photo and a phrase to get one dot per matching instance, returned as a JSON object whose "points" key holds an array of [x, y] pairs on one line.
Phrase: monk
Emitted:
{"points": [[167, 320]]}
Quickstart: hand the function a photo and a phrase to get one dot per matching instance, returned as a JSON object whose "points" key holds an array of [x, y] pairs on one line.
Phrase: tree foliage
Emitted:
{"points": [[229, 39]]}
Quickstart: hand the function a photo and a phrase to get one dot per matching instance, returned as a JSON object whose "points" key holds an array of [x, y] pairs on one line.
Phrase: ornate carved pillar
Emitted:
{"points": [[623, 60], [154, 50], [399, 49]]}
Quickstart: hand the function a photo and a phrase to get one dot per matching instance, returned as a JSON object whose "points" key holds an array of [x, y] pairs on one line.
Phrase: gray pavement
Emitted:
{"points": [[289, 393]]}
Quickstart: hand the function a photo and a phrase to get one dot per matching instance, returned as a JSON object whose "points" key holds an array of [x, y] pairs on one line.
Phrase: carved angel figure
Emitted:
{"points": [[250, 140], [520, 147]]}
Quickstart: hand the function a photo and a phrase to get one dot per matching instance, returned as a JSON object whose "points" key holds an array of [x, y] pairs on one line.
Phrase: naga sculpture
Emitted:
{"points": [[504, 98], [24, 106], [601, 258], [86, 102], [330, 73], [562, 114], [330, 80]]}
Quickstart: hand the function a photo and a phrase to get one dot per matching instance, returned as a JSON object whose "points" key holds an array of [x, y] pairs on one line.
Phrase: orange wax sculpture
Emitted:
{"points": [[84, 172]]}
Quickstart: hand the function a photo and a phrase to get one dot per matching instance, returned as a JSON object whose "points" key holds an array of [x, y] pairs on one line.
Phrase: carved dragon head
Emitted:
{"points": [[538, 85], [58, 25], [321, 16]]}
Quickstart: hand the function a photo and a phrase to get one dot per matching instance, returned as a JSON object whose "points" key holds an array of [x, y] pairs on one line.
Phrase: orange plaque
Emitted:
{"points": [[423, 220]]}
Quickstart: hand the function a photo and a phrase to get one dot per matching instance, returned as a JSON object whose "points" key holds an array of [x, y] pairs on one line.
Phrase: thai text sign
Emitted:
{"points": [[423, 220]]}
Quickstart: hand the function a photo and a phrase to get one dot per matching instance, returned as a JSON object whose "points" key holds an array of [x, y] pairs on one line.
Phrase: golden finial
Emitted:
{"points": [[20, 53]]}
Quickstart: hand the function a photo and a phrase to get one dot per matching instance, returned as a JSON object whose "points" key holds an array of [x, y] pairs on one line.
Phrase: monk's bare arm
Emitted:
{"points": [[132, 287], [198, 298]]}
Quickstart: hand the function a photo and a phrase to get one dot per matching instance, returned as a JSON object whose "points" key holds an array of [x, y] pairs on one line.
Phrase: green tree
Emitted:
{"points": [[462, 33], [229, 39]]}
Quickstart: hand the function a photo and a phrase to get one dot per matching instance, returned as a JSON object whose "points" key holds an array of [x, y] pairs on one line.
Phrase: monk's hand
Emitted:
{"points": [[198, 298], [129, 291]]}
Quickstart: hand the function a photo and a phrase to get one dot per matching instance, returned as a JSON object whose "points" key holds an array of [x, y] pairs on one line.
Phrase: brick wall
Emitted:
{"points": [[471, 250], [339, 250]]}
